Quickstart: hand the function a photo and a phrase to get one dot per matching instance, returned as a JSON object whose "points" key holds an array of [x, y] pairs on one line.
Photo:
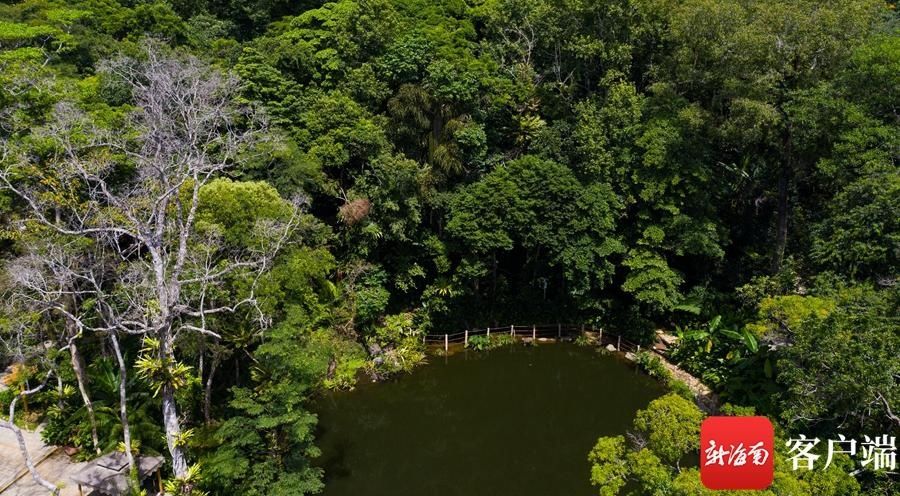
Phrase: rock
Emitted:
{"points": [[610, 347], [374, 349], [668, 339]]}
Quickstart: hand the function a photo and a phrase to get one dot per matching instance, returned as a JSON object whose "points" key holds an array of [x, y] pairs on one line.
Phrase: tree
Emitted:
{"points": [[134, 194], [609, 469], [747, 63], [671, 427], [841, 369], [667, 430], [565, 228]]}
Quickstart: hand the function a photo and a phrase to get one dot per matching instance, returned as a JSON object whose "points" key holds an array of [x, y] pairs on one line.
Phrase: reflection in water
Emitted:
{"points": [[516, 421]]}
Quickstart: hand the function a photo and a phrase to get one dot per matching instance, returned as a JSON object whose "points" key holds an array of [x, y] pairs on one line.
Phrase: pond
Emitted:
{"points": [[514, 421]]}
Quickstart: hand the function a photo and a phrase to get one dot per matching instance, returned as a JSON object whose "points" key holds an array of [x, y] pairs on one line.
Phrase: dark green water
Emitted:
{"points": [[516, 421]]}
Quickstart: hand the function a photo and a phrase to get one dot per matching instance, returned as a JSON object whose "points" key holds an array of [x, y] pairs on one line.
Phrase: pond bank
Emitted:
{"points": [[450, 344]]}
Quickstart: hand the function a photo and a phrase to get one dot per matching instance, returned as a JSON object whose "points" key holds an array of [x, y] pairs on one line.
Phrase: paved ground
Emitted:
{"points": [[57, 468], [53, 465], [11, 458]]}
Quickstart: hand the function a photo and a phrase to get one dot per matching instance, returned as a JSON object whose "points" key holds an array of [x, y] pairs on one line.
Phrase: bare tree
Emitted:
{"points": [[134, 192], [48, 279]]}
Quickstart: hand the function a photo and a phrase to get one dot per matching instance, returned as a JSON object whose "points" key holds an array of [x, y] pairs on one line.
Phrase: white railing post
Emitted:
{"points": [[619, 346], [446, 343], [512, 330], [489, 331], [467, 338], [533, 333]]}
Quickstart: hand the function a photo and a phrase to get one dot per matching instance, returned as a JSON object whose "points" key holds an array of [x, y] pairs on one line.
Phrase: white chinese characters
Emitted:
{"points": [[878, 453], [735, 456]]}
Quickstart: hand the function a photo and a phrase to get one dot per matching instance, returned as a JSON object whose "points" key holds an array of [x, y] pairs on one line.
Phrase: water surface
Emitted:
{"points": [[515, 421]]}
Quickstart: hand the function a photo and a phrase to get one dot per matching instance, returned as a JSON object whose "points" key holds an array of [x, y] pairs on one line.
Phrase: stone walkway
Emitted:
{"points": [[52, 463], [706, 398], [57, 468]]}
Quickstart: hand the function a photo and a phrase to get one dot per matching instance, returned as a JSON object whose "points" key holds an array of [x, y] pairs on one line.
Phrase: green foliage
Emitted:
{"points": [[654, 367], [608, 465], [541, 206], [483, 342], [674, 425], [671, 425], [785, 314], [651, 280], [400, 341], [66, 421], [479, 343], [631, 162], [713, 352], [584, 340], [265, 445], [840, 369], [237, 211]]}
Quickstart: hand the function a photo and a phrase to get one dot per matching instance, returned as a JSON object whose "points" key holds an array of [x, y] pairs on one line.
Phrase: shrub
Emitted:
{"points": [[484, 342], [654, 367], [584, 340], [479, 343], [680, 388]]}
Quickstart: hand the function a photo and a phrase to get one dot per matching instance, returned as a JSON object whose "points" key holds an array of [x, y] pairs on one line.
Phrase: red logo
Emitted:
{"points": [[737, 453]]}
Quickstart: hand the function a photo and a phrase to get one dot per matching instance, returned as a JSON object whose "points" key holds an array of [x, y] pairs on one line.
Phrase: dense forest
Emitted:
{"points": [[211, 210]]}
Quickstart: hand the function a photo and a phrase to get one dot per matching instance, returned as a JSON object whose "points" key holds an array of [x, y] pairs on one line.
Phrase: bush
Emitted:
{"points": [[6, 397], [479, 343], [401, 345], [680, 388], [584, 340], [654, 367], [484, 342]]}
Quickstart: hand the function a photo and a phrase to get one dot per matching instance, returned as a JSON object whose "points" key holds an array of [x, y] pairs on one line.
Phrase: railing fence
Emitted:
{"points": [[534, 332]]}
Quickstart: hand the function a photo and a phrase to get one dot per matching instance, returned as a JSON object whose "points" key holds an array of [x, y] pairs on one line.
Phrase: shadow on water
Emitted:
{"points": [[515, 421]]}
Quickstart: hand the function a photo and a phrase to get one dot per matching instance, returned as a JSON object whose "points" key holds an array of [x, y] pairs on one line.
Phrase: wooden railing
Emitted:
{"points": [[534, 332]]}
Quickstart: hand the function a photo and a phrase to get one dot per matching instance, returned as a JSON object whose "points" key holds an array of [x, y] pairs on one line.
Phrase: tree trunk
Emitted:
{"points": [[173, 429], [80, 378], [59, 392], [123, 410], [207, 392], [171, 422], [781, 227], [783, 207]]}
